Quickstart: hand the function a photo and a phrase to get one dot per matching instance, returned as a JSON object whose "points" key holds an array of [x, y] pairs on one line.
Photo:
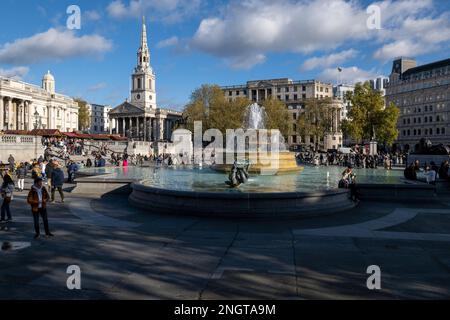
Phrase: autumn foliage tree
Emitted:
{"points": [[369, 118]]}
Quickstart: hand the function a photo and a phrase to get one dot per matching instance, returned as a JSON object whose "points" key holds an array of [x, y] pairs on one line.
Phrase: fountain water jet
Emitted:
{"points": [[267, 161]]}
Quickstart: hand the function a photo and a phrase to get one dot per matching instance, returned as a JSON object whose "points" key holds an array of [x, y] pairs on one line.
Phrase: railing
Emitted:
{"points": [[17, 140]]}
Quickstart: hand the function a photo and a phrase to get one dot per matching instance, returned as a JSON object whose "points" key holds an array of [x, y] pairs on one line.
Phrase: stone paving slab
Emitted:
{"points": [[134, 255]]}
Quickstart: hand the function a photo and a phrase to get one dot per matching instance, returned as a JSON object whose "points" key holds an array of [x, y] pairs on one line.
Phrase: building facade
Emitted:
{"points": [[380, 84], [99, 118], [140, 118], [24, 106], [423, 95], [294, 94]]}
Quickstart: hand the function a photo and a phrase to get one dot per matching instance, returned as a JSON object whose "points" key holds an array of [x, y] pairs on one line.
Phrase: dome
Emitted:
{"points": [[48, 77]]}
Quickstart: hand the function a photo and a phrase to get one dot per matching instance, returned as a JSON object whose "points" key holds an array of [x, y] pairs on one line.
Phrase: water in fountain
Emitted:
{"points": [[255, 117], [262, 156]]}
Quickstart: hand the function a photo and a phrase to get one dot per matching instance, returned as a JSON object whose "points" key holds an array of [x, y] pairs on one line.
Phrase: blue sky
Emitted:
{"points": [[223, 42]]}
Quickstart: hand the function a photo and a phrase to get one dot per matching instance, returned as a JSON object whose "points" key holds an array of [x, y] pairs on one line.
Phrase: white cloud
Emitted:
{"points": [[247, 62], [349, 75], [97, 87], [170, 42], [258, 27], [15, 73], [53, 44], [415, 36], [92, 15], [169, 11], [333, 59]]}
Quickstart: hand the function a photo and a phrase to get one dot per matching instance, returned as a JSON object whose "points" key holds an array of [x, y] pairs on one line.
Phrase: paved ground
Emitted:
{"points": [[124, 253]]}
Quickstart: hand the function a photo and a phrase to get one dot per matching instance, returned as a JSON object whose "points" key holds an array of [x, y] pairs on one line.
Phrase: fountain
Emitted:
{"points": [[283, 160]]}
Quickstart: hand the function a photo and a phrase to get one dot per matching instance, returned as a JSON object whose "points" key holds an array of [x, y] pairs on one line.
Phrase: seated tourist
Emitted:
{"points": [[444, 170]]}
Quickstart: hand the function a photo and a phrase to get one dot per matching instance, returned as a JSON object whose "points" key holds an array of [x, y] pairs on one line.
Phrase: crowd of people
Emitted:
{"points": [[48, 177], [357, 160], [431, 171]]}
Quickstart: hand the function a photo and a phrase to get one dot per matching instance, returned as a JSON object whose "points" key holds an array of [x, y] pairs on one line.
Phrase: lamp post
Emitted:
{"points": [[37, 125]]}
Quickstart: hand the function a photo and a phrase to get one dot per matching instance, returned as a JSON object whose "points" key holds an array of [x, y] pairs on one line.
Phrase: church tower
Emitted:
{"points": [[143, 92]]}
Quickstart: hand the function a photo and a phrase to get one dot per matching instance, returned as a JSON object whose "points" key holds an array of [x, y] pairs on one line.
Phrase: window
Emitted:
{"points": [[303, 88], [230, 93], [303, 96], [294, 127], [294, 139], [426, 131], [415, 132], [278, 90], [419, 132], [438, 131], [295, 88], [287, 97], [139, 83], [295, 97], [294, 116], [431, 132], [438, 118], [431, 108], [286, 89], [237, 92], [279, 97], [426, 119], [245, 92], [443, 131], [430, 119]]}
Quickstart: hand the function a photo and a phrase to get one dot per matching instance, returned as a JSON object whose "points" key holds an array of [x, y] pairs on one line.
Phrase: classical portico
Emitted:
{"points": [[142, 124], [22, 104], [140, 119]]}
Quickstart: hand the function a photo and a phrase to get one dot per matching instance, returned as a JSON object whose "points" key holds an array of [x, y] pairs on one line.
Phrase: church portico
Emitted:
{"points": [[139, 118]]}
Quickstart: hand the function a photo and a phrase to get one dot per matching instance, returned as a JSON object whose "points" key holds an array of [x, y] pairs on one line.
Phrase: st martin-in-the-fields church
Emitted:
{"points": [[141, 119]]}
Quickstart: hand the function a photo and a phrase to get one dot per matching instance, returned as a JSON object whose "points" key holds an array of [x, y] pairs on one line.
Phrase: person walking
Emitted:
{"points": [[21, 174], [48, 173], [37, 199], [57, 181], [7, 190], [11, 162]]}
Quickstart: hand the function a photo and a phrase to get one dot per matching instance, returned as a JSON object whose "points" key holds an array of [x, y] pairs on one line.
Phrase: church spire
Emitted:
{"points": [[143, 52], [144, 34]]}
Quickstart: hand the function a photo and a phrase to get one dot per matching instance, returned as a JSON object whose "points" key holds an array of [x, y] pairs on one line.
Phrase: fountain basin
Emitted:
{"points": [[281, 163], [240, 205]]}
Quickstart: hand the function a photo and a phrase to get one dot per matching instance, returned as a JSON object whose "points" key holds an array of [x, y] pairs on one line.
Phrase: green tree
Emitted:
{"points": [[368, 117], [278, 116], [210, 105], [84, 118], [316, 120]]}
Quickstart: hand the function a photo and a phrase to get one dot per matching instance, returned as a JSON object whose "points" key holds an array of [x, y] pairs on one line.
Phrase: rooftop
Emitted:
{"points": [[427, 67]]}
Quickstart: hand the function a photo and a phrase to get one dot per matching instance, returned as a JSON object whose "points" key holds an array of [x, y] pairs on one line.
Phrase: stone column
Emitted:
{"points": [[124, 127], [2, 113], [138, 129], [110, 125], [21, 115], [145, 128], [161, 129], [150, 129], [10, 114], [130, 127]]}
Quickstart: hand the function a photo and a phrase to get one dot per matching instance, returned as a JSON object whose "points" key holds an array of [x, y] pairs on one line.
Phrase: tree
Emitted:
{"points": [[209, 105], [84, 118], [368, 118], [316, 120], [278, 116]]}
